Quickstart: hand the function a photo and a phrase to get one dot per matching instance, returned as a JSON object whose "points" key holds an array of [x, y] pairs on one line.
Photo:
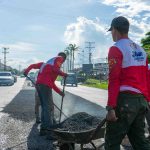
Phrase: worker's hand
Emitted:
{"points": [[62, 94], [111, 116]]}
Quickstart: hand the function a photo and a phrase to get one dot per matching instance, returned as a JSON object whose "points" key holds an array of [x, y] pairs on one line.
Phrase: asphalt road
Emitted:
{"points": [[94, 95], [18, 130]]}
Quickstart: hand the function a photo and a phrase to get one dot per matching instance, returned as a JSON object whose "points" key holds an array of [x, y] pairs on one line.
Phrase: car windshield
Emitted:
{"points": [[5, 74]]}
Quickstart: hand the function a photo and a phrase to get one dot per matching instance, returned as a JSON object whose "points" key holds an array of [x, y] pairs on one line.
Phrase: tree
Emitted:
{"points": [[146, 44], [72, 48]]}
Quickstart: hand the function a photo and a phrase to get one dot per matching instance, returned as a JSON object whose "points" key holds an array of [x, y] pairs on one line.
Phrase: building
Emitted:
{"points": [[101, 70]]}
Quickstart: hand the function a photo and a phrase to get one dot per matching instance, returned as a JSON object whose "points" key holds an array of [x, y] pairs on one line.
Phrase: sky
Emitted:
{"points": [[36, 30]]}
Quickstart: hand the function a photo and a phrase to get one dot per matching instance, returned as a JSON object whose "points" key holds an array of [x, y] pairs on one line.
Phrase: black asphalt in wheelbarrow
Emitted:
{"points": [[83, 136]]}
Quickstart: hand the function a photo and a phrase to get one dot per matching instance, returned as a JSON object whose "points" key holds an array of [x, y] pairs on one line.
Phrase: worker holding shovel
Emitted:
{"points": [[45, 83]]}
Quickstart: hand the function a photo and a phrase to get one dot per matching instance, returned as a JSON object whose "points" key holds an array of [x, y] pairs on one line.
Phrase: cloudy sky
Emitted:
{"points": [[36, 30]]}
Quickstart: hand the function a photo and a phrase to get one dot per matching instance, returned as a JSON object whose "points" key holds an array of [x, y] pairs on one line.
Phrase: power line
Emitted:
{"points": [[90, 47], [5, 52]]}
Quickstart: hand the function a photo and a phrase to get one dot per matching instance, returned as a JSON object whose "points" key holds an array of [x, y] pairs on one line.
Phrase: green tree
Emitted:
{"points": [[146, 44], [73, 48], [70, 51]]}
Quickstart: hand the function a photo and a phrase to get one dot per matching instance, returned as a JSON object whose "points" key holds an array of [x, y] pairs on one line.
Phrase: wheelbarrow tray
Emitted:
{"points": [[81, 137]]}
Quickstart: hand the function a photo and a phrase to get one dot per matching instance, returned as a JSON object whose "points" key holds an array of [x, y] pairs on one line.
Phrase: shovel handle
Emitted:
{"points": [[62, 100]]}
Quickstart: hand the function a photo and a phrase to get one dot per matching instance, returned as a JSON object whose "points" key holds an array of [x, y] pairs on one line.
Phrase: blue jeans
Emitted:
{"points": [[47, 106]]}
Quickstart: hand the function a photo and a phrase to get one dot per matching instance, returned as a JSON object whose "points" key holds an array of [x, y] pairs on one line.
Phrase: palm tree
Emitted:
{"points": [[72, 48]]}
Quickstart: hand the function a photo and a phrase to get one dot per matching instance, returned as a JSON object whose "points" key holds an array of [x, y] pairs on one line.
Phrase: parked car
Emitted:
{"points": [[71, 79], [6, 78]]}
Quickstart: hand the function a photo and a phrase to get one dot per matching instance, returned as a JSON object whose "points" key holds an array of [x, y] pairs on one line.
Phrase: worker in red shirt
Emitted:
{"points": [[127, 90], [47, 75]]}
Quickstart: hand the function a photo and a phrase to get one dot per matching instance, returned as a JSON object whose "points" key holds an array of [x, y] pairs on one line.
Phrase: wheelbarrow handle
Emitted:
{"points": [[98, 127]]}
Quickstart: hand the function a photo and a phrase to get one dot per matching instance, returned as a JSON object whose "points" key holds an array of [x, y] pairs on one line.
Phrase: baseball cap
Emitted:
{"points": [[120, 23]]}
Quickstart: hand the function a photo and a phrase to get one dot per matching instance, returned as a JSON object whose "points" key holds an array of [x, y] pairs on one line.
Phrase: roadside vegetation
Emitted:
{"points": [[146, 44], [96, 84]]}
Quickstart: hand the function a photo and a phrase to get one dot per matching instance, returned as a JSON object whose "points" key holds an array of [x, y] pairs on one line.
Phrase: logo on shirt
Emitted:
{"points": [[137, 56]]}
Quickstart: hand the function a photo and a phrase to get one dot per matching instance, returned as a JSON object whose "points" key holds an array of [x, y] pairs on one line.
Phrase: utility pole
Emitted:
{"points": [[5, 52], [89, 47]]}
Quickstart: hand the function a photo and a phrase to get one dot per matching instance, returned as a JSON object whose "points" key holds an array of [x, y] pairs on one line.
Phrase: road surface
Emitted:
{"points": [[18, 130]]}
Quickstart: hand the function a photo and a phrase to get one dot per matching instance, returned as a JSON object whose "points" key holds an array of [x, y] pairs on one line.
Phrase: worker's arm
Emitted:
{"points": [[115, 65], [33, 66], [56, 89]]}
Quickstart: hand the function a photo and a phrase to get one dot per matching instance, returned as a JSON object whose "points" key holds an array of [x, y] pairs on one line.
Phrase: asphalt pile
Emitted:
{"points": [[80, 122]]}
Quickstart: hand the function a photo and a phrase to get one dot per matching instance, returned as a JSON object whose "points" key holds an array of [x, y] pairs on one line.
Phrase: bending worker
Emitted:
{"points": [[45, 83]]}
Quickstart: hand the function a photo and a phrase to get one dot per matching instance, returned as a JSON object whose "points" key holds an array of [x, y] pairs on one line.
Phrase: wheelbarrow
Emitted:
{"points": [[67, 138]]}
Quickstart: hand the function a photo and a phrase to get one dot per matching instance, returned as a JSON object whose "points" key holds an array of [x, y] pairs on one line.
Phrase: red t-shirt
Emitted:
{"points": [[48, 72], [128, 70]]}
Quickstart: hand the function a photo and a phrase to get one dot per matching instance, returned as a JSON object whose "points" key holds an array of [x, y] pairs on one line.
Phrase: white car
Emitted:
{"points": [[6, 78]]}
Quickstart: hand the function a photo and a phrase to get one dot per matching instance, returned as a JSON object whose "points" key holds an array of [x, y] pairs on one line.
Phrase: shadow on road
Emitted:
{"points": [[36, 142], [22, 106]]}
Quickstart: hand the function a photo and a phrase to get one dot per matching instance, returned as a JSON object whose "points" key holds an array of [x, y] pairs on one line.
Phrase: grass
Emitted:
{"points": [[96, 84], [92, 83], [59, 78]]}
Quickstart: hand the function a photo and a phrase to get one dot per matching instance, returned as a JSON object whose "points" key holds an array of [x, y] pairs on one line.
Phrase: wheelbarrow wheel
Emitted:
{"points": [[67, 146]]}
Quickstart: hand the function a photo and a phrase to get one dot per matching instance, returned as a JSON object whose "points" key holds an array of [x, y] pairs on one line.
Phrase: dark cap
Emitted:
{"points": [[62, 54], [120, 23]]}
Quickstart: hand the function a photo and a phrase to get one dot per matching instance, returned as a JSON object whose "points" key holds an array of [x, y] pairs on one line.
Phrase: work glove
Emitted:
{"points": [[111, 115], [62, 93]]}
